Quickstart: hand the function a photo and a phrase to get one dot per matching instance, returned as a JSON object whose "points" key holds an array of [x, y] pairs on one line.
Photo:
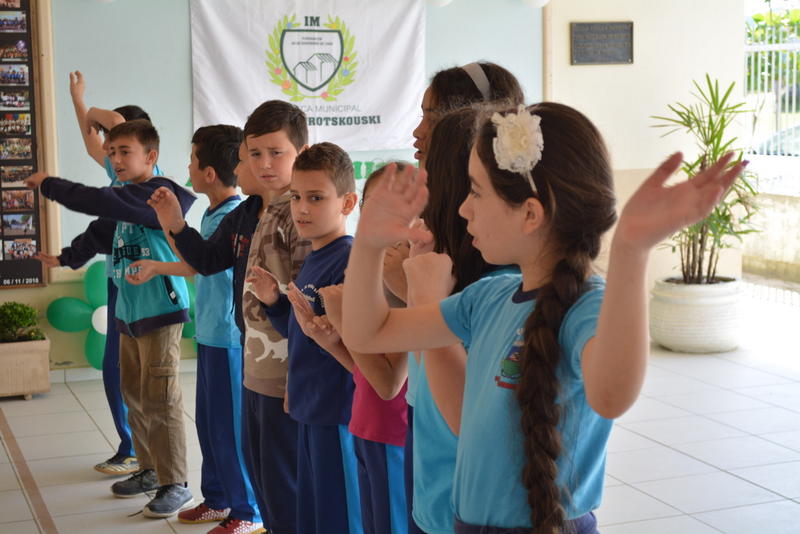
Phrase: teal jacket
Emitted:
{"points": [[162, 301]]}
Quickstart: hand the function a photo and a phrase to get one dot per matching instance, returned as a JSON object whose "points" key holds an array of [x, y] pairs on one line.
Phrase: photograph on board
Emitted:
{"points": [[16, 148], [13, 175], [13, 22], [18, 200], [19, 249], [14, 100], [13, 75], [14, 51], [15, 224]]}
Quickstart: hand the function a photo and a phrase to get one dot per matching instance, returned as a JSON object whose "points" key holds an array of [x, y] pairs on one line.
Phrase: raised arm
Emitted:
{"points": [[386, 373], [369, 326], [96, 239], [614, 361], [90, 134]]}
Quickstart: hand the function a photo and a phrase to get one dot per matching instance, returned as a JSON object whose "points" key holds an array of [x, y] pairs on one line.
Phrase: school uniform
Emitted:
{"points": [[271, 434], [218, 413], [489, 317], [320, 400]]}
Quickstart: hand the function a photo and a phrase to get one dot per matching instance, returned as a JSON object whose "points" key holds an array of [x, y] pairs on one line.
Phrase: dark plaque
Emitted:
{"points": [[601, 43]]}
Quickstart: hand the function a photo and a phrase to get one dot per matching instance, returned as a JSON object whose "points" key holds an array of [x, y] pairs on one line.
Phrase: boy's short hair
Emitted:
{"points": [[275, 115], [140, 129], [331, 159], [218, 146]]}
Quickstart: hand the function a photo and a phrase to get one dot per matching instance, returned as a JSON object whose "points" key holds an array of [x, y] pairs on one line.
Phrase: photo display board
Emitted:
{"points": [[21, 215]]}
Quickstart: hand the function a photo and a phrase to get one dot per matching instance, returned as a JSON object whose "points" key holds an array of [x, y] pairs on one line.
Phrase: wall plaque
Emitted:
{"points": [[601, 43]]}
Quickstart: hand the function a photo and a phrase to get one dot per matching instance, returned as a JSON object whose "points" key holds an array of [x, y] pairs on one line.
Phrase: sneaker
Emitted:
{"points": [[119, 464], [140, 482], [237, 526], [203, 514], [170, 499]]}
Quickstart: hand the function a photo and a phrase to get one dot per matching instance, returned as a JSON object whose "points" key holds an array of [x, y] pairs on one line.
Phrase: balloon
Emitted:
{"points": [[189, 330], [95, 284], [94, 349], [100, 320], [69, 314]]}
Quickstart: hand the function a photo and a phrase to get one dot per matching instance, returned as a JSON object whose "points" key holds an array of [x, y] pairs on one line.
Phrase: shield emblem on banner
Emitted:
{"points": [[311, 57]]}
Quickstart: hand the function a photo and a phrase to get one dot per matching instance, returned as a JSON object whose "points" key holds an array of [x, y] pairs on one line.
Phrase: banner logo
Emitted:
{"points": [[307, 61]]}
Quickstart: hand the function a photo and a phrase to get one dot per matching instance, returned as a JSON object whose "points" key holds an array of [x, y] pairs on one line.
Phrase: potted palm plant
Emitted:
{"points": [[700, 311], [24, 352]]}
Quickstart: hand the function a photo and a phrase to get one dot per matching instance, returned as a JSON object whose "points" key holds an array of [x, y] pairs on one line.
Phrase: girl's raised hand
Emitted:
{"points": [[656, 211], [397, 200], [421, 239]]}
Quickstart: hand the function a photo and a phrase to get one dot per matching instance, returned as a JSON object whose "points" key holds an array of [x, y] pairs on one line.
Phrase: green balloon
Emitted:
{"points": [[189, 330], [69, 314], [95, 348], [95, 284]]}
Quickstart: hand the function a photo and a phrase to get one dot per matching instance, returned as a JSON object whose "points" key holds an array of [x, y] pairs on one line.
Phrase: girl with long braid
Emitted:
{"points": [[555, 353]]}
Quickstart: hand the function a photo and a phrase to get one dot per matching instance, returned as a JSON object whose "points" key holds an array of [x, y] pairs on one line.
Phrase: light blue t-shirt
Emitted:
{"points": [[435, 448], [116, 183], [213, 315], [489, 316], [413, 371], [434, 461]]}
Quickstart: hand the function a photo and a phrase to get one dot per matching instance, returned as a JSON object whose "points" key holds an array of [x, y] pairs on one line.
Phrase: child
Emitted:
{"points": [[565, 359], [84, 247], [274, 134], [149, 316], [378, 419], [320, 386], [228, 496]]}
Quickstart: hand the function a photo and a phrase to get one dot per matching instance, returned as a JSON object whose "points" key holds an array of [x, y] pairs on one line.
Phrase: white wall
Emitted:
{"points": [[138, 52], [675, 42]]}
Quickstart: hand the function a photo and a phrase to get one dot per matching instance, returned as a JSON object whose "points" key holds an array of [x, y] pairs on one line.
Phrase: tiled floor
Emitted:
{"points": [[712, 445]]}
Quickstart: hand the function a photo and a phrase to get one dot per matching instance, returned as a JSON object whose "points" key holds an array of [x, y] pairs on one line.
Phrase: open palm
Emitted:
{"points": [[656, 211], [393, 206]]}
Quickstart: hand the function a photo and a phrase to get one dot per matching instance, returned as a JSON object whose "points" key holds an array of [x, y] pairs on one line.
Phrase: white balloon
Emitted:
{"points": [[100, 320], [536, 3], [439, 3]]}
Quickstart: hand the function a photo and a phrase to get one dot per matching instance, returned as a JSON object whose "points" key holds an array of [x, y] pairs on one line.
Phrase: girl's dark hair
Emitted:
{"points": [[448, 186], [574, 184], [132, 112], [377, 173], [453, 88]]}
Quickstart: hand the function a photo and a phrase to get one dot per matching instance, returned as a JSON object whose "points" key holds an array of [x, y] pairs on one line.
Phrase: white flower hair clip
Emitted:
{"points": [[519, 142]]}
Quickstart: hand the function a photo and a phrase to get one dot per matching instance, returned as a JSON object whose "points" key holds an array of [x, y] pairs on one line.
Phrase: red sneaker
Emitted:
{"points": [[237, 526], [202, 514]]}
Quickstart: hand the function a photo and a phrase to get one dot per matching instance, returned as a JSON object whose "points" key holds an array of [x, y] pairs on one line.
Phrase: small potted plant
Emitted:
{"points": [[24, 352], [701, 311]]}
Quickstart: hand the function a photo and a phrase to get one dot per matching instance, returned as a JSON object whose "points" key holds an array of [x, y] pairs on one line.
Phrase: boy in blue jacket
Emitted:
{"points": [[320, 384], [149, 316]]}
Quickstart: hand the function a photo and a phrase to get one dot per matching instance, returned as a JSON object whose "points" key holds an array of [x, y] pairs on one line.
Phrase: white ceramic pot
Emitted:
{"points": [[696, 317]]}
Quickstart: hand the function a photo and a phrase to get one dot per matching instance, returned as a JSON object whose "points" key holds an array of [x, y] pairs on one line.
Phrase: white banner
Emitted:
{"points": [[356, 67]]}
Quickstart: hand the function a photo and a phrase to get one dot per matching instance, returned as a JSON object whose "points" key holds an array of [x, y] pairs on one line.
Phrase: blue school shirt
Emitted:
{"points": [[413, 371], [489, 316], [112, 175], [434, 457], [214, 317], [320, 389]]}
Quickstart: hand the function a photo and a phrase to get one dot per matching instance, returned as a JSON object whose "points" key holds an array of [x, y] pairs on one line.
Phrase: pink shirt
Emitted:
{"points": [[375, 419]]}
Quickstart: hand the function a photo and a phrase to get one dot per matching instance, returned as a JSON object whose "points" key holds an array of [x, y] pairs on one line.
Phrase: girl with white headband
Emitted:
{"points": [[555, 353], [429, 473]]}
